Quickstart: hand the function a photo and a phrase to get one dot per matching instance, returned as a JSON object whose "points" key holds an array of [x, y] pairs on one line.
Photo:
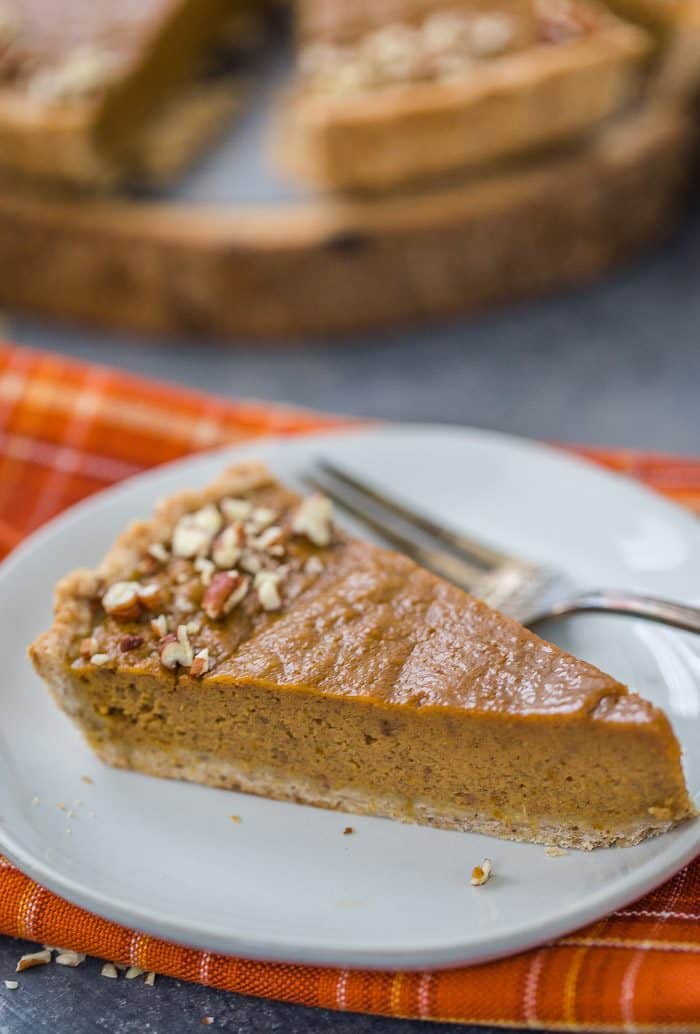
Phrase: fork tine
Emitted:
{"points": [[474, 553], [440, 562]]}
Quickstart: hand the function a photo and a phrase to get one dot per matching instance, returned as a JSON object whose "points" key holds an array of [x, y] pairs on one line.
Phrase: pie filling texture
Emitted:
{"points": [[241, 640]]}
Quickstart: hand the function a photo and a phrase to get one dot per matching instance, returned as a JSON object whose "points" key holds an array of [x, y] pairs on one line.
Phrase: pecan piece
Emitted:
{"points": [[200, 664], [88, 646], [150, 596], [194, 532], [159, 626], [313, 518], [236, 509], [227, 546], [267, 586], [121, 601], [176, 650], [226, 590], [130, 642]]}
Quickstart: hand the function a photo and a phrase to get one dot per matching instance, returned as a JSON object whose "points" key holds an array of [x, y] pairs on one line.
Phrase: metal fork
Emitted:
{"points": [[526, 591]]}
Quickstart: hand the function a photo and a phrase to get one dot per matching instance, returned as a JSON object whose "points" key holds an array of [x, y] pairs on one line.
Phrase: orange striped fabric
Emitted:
{"points": [[67, 430]]}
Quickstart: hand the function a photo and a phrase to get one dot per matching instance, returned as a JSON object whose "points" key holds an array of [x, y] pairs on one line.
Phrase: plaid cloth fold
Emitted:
{"points": [[67, 430]]}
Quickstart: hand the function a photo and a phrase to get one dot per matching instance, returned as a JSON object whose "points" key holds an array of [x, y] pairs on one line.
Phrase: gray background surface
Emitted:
{"points": [[615, 364]]}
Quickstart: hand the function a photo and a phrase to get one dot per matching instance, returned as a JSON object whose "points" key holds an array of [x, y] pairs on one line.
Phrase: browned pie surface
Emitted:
{"points": [[377, 625]]}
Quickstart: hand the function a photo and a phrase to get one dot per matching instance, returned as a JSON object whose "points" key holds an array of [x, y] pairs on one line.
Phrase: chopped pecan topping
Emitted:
{"points": [[121, 601], [226, 550], [159, 625], [446, 31], [205, 569], [81, 73], [492, 34], [200, 664], [314, 565], [184, 603], [130, 642], [88, 646], [447, 44], [261, 517], [270, 541], [150, 596], [250, 562], [313, 518], [267, 587], [176, 649], [194, 532], [158, 551], [236, 509], [226, 591]]}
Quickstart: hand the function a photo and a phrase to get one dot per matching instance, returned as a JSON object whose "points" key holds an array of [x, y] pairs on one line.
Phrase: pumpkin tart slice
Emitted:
{"points": [[239, 639]]}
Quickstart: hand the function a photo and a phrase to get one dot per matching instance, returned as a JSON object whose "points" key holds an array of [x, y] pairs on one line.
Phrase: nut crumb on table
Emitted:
{"points": [[66, 957], [35, 958]]}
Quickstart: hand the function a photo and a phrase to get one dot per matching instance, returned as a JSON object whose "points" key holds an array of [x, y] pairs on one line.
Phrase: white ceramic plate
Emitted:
{"points": [[285, 883]]}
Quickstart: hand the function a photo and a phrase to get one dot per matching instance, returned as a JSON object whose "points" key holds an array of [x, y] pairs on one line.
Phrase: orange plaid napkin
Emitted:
{"points": [[67, 430]]}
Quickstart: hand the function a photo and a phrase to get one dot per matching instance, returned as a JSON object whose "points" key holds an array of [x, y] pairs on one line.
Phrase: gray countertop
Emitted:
{"points": [[614, 364]]}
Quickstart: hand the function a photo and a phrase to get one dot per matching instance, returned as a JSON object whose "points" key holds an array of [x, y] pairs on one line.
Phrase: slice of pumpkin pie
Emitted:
{"points": [[239, 639]]}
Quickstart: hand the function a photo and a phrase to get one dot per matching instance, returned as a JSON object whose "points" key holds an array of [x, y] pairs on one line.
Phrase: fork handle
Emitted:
{"points": [[614, 601]]}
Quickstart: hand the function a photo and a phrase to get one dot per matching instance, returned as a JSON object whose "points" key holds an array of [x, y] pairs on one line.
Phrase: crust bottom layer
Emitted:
{"points": [[192, 766]]}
